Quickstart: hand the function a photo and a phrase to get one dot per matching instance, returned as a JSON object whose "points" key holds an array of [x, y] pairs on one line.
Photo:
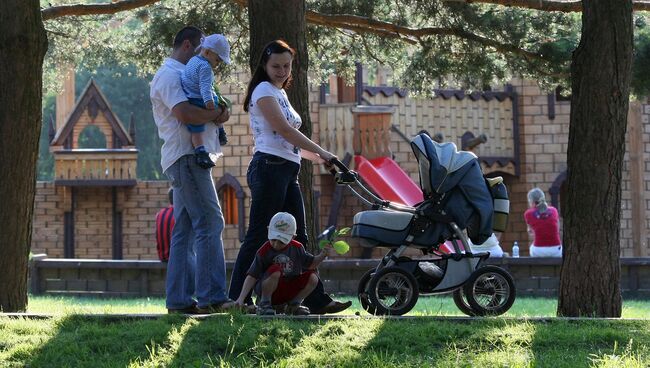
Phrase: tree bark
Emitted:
{"points": [[601, 72], [285, 19], [23, 44]]}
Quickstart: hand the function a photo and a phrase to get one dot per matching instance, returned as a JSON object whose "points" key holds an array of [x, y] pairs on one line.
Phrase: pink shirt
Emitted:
{"points": [[545, 226]]}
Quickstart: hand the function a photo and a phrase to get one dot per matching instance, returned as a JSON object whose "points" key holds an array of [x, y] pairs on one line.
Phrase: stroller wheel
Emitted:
{"points": [[393, 291], [363, 294], [461, 302], [490, 291]]}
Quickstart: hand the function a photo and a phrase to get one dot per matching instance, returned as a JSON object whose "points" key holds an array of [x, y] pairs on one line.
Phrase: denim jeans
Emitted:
{"points": [[273, 182], [196, 209]]}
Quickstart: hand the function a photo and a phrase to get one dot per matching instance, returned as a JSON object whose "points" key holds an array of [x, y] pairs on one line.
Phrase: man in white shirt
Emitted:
{"points": [[196, 206]]}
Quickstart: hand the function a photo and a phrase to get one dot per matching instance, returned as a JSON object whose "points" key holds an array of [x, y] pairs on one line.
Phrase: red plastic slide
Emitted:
{"points": [[388, 180]]}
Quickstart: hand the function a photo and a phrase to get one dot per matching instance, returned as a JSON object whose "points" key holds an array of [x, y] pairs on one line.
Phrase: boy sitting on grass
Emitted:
{"points": [[283, 271]]}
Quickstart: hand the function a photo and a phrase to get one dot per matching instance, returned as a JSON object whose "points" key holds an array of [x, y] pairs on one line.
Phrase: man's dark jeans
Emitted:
{"points": [[273, 182]]}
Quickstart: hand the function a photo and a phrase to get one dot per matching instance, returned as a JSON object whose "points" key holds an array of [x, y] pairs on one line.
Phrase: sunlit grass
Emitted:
{"points": [[426, 306], [239, 341]]}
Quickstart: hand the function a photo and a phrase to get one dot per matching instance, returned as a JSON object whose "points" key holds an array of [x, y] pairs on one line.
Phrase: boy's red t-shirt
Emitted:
{"points": [[545, 226]]}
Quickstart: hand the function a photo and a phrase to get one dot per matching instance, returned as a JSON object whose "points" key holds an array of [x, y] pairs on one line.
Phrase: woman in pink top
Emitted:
{"points": [[544, 224]]}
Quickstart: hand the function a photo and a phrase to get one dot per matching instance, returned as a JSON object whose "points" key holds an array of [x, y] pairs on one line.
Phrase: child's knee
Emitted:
{"points": [[272, 275], [313, 280]]}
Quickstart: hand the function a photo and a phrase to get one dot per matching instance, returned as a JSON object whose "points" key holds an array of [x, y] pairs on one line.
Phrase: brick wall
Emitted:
{"points": [[543, 146]]}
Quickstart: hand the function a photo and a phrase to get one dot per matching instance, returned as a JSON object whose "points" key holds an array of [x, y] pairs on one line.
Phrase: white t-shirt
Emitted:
{"points": [[266, 139], [166, 92]]}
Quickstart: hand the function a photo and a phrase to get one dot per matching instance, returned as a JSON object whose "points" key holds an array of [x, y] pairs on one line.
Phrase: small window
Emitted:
{"points": [[91, 137], [229, 205]]}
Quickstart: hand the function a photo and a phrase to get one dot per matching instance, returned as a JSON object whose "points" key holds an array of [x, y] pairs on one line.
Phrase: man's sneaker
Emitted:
{"points": [[334, 307], [203, 160], [192, 309], [297, 310], [223, 138], [265, 309], [222, 307]]}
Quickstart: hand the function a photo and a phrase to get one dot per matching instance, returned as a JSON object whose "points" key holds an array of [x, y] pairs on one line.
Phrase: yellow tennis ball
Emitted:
{"points": [[341, 247]]}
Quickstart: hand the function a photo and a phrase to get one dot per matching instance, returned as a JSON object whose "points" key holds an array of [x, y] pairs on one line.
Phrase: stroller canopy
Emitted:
{"points": [[457, 176]]}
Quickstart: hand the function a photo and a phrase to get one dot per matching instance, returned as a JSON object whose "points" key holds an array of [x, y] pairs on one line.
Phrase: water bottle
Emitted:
{"points": [[515, 250]]}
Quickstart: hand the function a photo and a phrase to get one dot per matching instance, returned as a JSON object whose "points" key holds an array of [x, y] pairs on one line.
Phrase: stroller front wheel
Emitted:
{"points": [[461, 302], [393, 291], [490, 291]]}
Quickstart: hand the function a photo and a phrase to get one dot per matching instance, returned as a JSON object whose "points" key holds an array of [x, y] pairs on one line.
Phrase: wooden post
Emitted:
{"points": [[635, 134]]}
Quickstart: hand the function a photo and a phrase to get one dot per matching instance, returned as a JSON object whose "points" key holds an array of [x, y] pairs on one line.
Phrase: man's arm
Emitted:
{"points": [[187, 113]]}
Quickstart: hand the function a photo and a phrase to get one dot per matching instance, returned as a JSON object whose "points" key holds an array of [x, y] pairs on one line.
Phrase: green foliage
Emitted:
{"points": [[641, 67], [45, 163], [340, 246], [500, 42], [144, 37]]}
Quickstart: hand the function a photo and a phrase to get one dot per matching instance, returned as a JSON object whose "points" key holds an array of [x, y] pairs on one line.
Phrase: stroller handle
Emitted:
{"points": [[347, 177], [341, 166]]}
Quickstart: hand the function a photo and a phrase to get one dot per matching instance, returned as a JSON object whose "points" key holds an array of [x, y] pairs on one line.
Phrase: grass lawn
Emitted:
{"points": [[426, 306], [241, 341]]}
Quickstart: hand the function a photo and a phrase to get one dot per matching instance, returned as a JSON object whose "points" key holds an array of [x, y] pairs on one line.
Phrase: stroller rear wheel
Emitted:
{"points": [[461, 302], [490, 291], [364, 294], [393, 291]]}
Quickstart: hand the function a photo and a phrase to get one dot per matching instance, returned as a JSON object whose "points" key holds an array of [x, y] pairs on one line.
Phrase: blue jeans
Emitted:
{"points": [[273, 182], [196, 209]]}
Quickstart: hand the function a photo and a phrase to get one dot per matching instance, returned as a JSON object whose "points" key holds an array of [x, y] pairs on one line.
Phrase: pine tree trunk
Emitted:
{"points": [[601, 73], [23, 44], [285, 19]]}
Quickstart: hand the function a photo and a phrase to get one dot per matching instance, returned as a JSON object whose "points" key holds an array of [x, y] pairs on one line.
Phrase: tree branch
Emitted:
{"points": [[367, 25], [385, 29], [548, 5], [93, 9]]}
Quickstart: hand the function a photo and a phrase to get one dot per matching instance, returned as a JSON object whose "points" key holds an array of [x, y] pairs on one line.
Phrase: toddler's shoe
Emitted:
{"points": [[223, 138], [203, 160]]}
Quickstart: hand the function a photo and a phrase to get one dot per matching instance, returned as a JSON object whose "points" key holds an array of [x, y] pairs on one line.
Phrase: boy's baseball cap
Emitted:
{"points": [[282, 227], [218, 44]]}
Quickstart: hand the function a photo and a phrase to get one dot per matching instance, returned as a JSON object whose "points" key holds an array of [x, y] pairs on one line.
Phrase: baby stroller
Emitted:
{"points": [[458, 203]]}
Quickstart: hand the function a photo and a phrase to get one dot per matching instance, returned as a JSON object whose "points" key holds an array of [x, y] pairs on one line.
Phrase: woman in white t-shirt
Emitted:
{"points": [[273, 171]]}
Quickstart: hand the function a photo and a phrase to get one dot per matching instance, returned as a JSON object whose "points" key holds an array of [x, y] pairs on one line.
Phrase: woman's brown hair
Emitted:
{"points": [[260, 75]]}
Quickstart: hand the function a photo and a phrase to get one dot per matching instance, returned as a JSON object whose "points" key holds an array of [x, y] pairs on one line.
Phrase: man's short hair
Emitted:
{"points": [[190, 33]]}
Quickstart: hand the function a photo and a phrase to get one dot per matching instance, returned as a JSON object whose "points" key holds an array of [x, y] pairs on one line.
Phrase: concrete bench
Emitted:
{"points": [[132, 278]]}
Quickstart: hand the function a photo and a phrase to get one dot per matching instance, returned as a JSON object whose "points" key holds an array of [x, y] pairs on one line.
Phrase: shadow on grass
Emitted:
{"points": [[237, 340], [80, 341], [595, 343]]}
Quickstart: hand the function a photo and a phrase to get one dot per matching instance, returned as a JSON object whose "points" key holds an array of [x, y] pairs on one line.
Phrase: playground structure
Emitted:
{"points": [[91, 211]]}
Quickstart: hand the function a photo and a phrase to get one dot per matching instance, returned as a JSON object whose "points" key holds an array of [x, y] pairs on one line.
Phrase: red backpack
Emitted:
{"points": [[164, 226]]}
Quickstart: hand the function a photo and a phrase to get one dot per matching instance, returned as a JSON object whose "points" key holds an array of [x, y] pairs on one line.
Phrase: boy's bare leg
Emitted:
{"points": [[295, 306], [197, 140], [311, 285], [269, 285]]}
